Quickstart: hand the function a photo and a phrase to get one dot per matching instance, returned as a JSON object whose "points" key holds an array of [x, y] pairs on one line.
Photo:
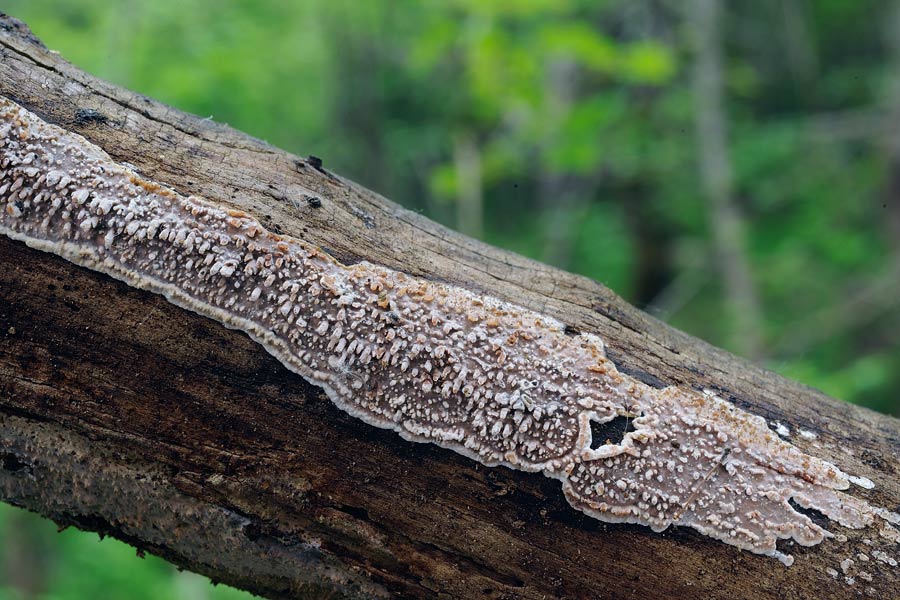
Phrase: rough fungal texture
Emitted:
{"points": [[436, 363]]}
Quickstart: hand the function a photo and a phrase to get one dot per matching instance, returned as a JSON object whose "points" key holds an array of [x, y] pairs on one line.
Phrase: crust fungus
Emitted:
{"points": [[436, 363]]}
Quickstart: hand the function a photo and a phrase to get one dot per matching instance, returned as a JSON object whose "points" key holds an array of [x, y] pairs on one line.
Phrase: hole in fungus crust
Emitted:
{"points": [[611, 432], [816, 516], [496, 382]]}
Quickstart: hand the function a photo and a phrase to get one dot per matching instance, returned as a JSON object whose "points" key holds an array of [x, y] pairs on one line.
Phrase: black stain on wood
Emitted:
{"points": [[89, 116], [12, 463], [638, 374], [571, 331]]}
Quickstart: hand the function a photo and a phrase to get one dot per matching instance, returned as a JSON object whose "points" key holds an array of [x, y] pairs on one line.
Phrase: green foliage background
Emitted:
{"points": [[579, 117]]}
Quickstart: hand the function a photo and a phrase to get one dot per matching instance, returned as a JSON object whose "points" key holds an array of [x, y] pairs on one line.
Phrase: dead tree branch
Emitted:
{"points": [[124, 414]]}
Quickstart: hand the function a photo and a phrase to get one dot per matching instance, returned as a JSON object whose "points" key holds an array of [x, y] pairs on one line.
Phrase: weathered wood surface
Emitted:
{"points": [[124, 414]]}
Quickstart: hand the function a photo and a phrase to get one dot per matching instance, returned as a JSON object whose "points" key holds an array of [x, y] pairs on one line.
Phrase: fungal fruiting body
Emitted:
{"points": [[436, 363]]}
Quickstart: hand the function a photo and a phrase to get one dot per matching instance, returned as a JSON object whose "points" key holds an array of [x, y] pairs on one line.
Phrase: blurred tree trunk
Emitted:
{"points": [[26, 554], [716, 176], [359, 58], [798, 41], [124, 414], [562, 196], [470, 185], [654, 243], [892, 102]]}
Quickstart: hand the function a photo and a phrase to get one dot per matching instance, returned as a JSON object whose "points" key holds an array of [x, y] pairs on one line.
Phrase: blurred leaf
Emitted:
{"points": [[648, 63]]}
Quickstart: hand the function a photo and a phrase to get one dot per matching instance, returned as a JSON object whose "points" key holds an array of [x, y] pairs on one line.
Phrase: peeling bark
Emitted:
{"points": [[122, 413]]}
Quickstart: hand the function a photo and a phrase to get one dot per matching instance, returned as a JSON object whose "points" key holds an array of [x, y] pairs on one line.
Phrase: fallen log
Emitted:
{"points": [[122, 413]]}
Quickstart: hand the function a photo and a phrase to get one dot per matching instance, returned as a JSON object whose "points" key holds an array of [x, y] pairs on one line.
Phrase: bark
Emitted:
{"points": [[124, 414]]}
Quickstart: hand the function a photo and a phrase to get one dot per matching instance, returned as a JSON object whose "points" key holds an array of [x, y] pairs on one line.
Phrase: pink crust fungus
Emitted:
{"points": [[498, 383]]}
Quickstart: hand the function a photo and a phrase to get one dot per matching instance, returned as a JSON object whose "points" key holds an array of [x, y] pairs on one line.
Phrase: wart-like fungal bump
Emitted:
{"points": [[498, 383]]}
